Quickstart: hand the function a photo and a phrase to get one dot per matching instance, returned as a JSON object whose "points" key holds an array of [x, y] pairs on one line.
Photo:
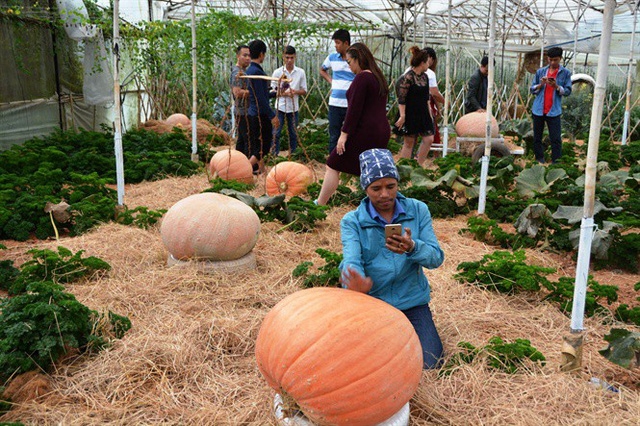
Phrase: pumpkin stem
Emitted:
{"points": [[283, 187], [289, 405]]}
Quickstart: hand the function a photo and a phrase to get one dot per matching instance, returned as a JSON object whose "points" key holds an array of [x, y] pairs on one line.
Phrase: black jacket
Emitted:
{"points": [[477, 93]]}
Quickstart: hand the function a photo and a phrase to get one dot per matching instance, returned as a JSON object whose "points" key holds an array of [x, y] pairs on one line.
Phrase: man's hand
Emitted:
{"points": [[356, 282], [275, 122], [401, 244]]}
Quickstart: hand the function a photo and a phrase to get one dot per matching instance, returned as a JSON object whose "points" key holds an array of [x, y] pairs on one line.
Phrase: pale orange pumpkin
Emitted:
{"points": [[210, 226], [289, 178], [344, 357], [179, 120], [230, 164], [474, 125]]}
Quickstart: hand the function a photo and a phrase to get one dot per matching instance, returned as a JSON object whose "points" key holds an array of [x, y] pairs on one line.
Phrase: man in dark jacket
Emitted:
{"points": [[262, 118], [476, 99]]}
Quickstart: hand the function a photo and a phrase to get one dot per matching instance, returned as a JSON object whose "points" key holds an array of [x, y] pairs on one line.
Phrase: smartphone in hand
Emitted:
{"points": [[392, 229]]}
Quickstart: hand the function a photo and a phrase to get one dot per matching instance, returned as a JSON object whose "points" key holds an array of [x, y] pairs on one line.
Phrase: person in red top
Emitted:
{"points": [[549, 85], [365, 125]]}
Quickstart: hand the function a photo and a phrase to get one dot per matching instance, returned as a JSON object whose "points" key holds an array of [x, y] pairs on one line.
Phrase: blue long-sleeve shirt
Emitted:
{"points": [[258, 93], [398, 279], [563, 80]]}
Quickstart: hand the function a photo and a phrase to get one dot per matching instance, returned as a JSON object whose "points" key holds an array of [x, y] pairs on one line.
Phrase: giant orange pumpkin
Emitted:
{"points": [[180, 120], [230, 164], [210, 226], [289, 178], [474, 125], [344, 357]]}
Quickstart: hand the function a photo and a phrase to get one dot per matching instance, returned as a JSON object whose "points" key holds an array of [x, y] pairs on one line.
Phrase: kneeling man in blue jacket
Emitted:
{"points": [[390, 268]]}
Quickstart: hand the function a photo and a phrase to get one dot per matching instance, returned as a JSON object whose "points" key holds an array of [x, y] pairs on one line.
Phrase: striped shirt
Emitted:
{"points": [[341, 79]]}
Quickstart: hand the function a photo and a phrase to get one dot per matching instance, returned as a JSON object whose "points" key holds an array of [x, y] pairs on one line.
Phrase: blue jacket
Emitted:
{"points": [[398, 279], [258, 93], [563, 80]]}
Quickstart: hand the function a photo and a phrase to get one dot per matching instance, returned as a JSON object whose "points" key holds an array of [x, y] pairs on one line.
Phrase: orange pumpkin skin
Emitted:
{"points": [[474, 125], [230, 164], [344, 357], [210, 226], [179, 120], [289, 178]]}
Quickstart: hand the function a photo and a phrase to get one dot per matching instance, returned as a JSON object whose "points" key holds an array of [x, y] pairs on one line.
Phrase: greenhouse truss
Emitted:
{"points": [[35, 104]]}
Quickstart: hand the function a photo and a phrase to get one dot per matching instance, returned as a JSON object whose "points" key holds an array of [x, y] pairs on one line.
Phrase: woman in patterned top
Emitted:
{"points": [[412, 90]]}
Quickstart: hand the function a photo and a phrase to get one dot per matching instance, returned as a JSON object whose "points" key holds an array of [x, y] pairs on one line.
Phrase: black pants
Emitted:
{"points": [[554, 124], [242, 144], [260, 135]]}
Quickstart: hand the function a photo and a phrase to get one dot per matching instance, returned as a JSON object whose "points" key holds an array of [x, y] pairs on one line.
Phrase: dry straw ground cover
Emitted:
{"points": [[189, 357]]}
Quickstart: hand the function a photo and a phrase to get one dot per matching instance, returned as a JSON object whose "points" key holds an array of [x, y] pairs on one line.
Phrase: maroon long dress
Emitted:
{"points": [[366, 123]]}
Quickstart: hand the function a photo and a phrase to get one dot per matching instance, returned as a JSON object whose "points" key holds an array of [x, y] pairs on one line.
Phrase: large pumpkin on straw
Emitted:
{"points": [[289, 178], [210, 226], [180, 120], [344, 357], [474, 125], [231, 164]]}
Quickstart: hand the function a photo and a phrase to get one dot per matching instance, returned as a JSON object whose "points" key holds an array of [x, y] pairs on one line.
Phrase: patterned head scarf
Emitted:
{"points": [[376, 164]]}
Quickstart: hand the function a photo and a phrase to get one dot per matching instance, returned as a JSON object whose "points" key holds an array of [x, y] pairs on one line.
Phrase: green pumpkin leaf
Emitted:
{"points": [[623, 349], [536, 180]]}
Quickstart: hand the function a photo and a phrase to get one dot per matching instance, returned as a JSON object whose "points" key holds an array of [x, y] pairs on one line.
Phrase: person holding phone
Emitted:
{"points": [[549, 85], [386, 243]]}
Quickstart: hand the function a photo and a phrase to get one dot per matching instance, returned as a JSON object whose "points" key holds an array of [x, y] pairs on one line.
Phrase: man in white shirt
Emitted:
{"points": [[288, 94]]}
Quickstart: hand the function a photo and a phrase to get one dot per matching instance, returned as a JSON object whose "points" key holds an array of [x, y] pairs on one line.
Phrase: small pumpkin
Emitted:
{"points": [[230, 164], [474, 125], [179, 120], [289, 178], [344, 357], [210, 226]]}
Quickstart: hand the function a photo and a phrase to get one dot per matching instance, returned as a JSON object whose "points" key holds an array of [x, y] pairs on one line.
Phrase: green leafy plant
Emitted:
{"points": [[562, 292], [297, 215], [441, 201], [537, 180], [328, 275], [505, 272], [344, 196], [218, 184], [501, 205], [488, 231], [40, 323], [623, 348], [622, 253], [40, 326], [141, 217], [510, 358], [59, 267]]}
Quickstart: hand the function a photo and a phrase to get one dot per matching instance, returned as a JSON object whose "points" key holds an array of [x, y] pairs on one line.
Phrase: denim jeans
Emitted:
{"points": [[554, 124], [421, 319], [292, 125], [336, 119]]}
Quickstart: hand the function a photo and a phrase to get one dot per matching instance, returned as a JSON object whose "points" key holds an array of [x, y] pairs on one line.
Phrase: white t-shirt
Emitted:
{"points": [[298, 82], [432, 78]]}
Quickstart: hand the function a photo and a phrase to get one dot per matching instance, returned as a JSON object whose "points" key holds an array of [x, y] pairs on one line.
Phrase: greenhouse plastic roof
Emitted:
{"points": [[523, 25]]}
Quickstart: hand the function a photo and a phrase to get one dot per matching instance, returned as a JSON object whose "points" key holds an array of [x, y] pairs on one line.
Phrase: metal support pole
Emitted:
{"points": [[117, 123], [194, 73], [627, 108], [484, 171]]}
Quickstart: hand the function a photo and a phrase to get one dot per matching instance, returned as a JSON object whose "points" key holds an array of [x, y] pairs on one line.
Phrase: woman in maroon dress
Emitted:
{"points": [[365, 126]]}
